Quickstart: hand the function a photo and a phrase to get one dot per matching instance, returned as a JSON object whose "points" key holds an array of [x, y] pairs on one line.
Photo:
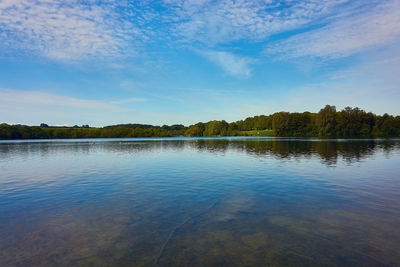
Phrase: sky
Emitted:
{"points": [[67, 62]]}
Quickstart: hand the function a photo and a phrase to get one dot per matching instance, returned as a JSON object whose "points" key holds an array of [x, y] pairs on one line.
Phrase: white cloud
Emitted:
{"points": [[234, 65], [11, 98], [36, 107], [65, 30], [212, 22], [345, 36], [74, 29], [130, 100]]}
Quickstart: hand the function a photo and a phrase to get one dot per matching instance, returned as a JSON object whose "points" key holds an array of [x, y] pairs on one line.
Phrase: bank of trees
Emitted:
{"points": [[354, 122], [116, 131], [327, 123]]}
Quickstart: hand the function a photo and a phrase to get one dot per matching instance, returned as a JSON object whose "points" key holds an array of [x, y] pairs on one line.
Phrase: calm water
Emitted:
{"points": [[200, 202]]}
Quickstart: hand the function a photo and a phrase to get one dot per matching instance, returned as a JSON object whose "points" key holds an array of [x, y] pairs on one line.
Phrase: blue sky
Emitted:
{"points": [[183, 61]]}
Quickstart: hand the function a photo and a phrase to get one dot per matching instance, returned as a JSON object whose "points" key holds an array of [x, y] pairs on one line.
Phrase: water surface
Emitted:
{"points": [[200, 202]]}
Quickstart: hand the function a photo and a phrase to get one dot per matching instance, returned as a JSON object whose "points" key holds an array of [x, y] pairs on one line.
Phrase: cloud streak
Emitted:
{"points": [[11, 98], [35, 107], [233, 65], [345, 36], [223, 21]]}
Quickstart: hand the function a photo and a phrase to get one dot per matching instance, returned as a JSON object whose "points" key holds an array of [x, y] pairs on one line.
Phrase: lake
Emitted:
{"points": [[200, 202]]}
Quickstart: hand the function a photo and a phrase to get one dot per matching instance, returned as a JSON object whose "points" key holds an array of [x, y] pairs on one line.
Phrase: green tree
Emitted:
{"points": [[326, 121]]}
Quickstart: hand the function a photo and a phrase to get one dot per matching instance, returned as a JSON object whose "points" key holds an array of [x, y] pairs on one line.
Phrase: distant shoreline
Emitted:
{"points": [[198, 138], [327, 123]]}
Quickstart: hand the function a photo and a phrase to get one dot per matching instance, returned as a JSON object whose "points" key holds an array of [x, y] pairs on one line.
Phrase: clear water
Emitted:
{"points": [[200, 202]]}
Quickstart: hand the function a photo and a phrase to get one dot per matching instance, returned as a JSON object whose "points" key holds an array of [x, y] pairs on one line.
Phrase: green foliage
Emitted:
{"points": [[327, 123], [116, 131], [216, 128], [195, 130]]}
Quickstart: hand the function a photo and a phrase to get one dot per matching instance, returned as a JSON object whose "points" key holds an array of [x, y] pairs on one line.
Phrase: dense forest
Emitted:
{"points": [[327, 123]]}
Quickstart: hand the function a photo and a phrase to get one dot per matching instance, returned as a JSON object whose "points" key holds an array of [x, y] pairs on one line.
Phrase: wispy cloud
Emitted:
{"points": [[345, 36], [13, 98], [130, 100], [234, 65], [66, 29], [212, 22], [35, 107], [75, 29]]}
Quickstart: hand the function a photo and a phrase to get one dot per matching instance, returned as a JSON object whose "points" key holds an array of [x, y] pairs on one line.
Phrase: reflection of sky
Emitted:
{"points": [[168, 182]]}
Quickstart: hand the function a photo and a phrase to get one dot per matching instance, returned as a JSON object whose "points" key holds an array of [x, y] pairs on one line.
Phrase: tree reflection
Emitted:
{"points": [[329, 151]]}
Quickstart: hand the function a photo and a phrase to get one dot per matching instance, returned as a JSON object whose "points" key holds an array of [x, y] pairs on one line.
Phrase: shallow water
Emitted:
{"points": [[200, 202]]}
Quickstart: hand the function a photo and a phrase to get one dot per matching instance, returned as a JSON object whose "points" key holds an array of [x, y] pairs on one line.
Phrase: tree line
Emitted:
{"points": [[327, 123]]}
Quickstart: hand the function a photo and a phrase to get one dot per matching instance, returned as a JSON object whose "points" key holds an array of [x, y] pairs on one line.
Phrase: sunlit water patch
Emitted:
{"points": [[200, 202]]}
